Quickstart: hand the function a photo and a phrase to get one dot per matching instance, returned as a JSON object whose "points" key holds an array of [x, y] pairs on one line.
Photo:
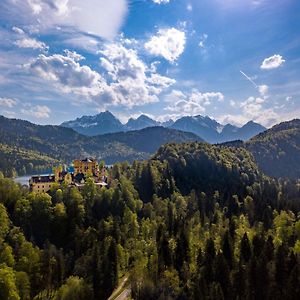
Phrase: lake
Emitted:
{"points": [[24, 180]]}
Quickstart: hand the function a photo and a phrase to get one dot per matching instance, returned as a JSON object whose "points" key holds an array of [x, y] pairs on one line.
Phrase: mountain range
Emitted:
{"points": [[28, 147], [206, 128]]}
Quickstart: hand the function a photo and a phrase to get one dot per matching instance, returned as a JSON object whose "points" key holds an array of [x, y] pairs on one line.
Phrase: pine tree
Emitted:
{"points": [[227, 249], [245, 252]]}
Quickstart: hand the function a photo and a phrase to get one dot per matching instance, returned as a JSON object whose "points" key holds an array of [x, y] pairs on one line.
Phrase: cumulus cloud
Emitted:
{"points": [[174, 96], [161, 1], [131, 81], [263, 90], [168, 43], [185, 107], [203, 40], [39, 111], [272, 62], [267, 117], [7, 102], [74, 55], [159, 81], [126, 79], [122, 63], [25, 41], [100, 17], [252, 106], [30, 43], [193, 103], [18, 30], [253, 109], [68, 74]]}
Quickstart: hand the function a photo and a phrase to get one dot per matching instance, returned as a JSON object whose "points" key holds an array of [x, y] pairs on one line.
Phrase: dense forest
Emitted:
{"points": [[277, 150], [26, 148], [194, 222]]}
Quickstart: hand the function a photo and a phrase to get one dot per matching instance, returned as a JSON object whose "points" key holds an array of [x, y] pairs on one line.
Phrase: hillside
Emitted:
{"points": [[196, 221], [277, 150], [50, 144], [205, 168]]}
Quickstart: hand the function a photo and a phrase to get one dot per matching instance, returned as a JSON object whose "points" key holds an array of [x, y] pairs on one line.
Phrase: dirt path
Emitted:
{"points": [[124, 294]]}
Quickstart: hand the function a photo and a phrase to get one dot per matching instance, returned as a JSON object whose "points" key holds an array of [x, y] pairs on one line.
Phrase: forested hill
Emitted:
{"points": [[207, 167], [196, 221], [26, 147], [277, 150]]}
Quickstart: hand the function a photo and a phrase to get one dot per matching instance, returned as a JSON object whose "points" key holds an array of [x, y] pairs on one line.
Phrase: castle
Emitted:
{"points": [[83, 169]]}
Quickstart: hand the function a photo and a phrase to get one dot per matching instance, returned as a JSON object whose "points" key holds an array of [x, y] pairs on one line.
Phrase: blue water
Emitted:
{"points": [[24, 180]]}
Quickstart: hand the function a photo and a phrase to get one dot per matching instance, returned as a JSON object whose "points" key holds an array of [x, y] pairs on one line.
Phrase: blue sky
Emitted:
{"points": [[232, 60]]}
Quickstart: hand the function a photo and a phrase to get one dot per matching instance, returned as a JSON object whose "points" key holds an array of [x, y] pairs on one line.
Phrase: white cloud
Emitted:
{"points": [[74, 55], [7, 102], [100, 17], [186, 107], [131, 81], [263, 90], [252, 109], [175, 96], [30, 43], [81, 41], [168, 43], [160, 81], [272, 62], [126, 79], [203, 40], [252, 106], [122, 63], [39, 111], [207, 98], [232, 103], [161, 1], [8, 114], [189, 7], [237, 120], [193, 103], [267, 117], [68, 74], [18, 30]]}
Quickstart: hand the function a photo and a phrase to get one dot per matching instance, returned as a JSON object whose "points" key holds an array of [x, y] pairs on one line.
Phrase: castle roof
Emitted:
{"points": [[43, 179], [88, 160]]}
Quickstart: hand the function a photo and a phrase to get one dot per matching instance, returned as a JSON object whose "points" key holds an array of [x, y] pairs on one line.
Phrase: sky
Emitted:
{"points": [[232, 60]]}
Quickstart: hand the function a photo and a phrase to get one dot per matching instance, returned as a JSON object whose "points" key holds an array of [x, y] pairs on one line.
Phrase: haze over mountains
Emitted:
{"points": [[204, 127], [25, 146]]}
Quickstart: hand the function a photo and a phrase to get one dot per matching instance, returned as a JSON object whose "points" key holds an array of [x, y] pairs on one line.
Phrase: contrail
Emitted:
{"points": [[249, 79]]}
